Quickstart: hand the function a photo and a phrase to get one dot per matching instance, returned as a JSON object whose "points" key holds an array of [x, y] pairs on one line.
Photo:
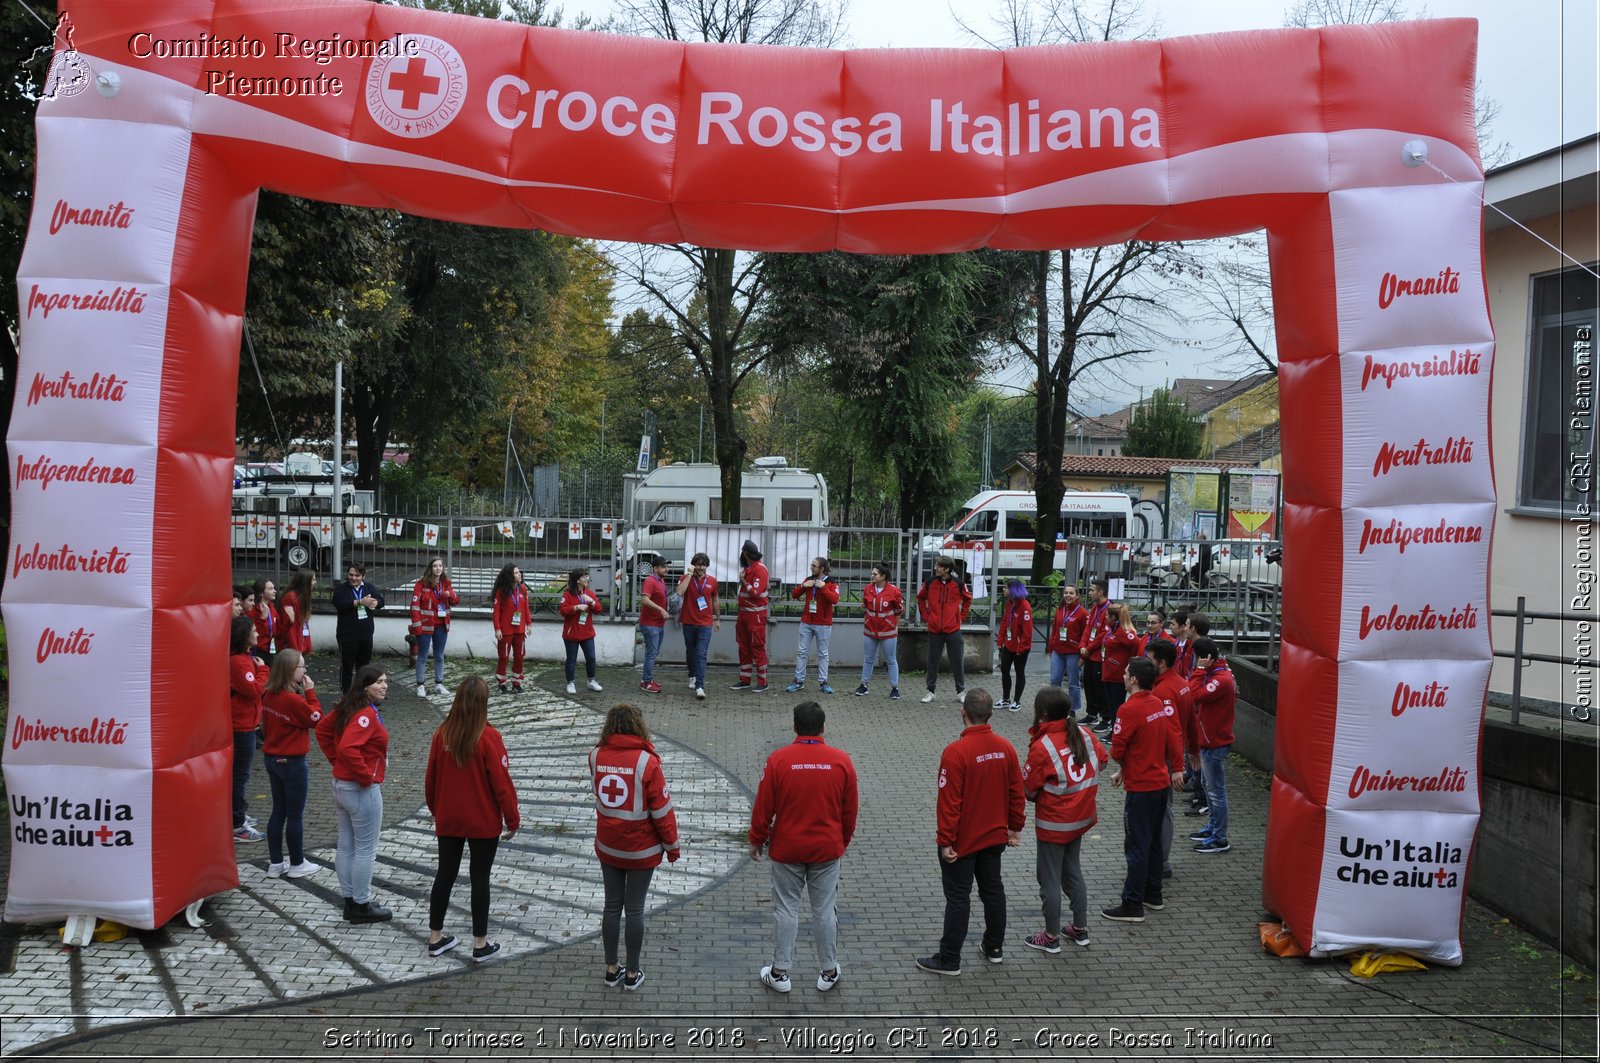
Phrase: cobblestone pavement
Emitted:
{"points": [[1190, 982]]}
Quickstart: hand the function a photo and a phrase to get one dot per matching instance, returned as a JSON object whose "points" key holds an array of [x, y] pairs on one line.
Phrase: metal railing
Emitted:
{"points": [[1521, 658]]}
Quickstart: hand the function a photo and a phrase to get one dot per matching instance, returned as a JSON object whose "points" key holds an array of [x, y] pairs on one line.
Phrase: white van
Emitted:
{"points": [[294, 518], [772, 494], [1003, 522]]}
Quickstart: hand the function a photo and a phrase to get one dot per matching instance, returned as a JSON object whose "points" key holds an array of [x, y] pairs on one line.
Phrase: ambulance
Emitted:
{"points": [[1002, 523], [295, 517]]}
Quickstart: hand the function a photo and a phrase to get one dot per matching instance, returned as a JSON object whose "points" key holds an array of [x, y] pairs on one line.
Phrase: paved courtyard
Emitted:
{"points": [[276, 974]]}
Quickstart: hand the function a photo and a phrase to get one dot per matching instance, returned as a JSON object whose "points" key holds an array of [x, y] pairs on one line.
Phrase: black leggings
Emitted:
{"points": [[624, 886], [1007, 659], [483, 850]]}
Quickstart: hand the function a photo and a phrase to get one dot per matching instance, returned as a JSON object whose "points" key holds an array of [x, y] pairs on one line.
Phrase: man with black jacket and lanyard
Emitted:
{"points": [[355, 601]]}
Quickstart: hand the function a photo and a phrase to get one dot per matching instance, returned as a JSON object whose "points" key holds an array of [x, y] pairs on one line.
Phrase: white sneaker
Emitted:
{"points": [[572, 688], [422, 691], [780, 983], [700, 692], [276, 870], [303, 869], [594, 685], [825, 983], [928, 697], [691, 683], [438, 688]]}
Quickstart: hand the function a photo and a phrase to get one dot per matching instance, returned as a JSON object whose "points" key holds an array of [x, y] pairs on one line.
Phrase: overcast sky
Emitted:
{"points": [[1536, 57]]}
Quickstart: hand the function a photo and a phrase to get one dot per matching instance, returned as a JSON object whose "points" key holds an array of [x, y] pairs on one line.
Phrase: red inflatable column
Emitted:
{"points": [[132, 280]]}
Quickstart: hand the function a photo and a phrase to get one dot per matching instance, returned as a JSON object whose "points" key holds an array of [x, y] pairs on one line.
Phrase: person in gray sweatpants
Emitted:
{"points": [[804, 817]]}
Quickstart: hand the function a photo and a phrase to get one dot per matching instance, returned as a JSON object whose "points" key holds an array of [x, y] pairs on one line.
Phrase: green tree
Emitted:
{"points": [[1163, 427], [902, 337]]}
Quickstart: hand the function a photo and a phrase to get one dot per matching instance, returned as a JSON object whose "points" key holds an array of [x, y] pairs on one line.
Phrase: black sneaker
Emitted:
{"points": [[894, 693], [371, 912], [1197, 810], [1125, 913], [349, 906], [939, 965], [613, 978], [860, 691], [994, 955], [443, 945], [1156, 904], [739, 686], [487, 951], [1213, 845], [633, 980]]}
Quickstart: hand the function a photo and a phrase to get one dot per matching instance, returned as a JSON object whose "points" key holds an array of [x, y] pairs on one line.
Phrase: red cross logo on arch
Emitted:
{"points": [[613, 790], [419, 91]]}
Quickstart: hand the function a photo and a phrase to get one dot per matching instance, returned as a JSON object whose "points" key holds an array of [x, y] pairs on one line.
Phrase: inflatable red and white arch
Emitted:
{"points": [[133, 279]]}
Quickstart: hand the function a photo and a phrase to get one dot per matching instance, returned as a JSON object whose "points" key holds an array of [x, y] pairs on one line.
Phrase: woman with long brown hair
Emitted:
{"points": [[474, 804], [1119, 645], [432, 598], [294, 605], [355, 741], [635, 825], [1062, 772]]}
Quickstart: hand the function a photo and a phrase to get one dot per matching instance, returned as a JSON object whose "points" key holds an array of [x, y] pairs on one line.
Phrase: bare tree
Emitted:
{"points": [[1111, 301], [710, 294]]}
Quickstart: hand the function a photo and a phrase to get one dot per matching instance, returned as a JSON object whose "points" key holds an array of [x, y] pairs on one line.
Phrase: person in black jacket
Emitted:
{"points": [[355, 600]]}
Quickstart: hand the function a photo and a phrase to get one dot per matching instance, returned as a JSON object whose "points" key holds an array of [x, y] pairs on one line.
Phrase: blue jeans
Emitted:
{"points": [[435, 638], [869, 658], [1213, 768], [1068, 666], [696, 644], [818, 635], [652, 647], [290, 779], [244, 752], [573, 646], [359, 810]]}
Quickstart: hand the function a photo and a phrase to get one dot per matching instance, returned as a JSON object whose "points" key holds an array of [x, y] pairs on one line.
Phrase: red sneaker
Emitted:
{"points": [[652, 687]]}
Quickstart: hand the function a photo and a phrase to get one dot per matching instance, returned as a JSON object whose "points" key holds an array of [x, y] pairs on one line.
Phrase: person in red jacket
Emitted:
{"points": [[432, 599], [982, 810], [268, 620], [804, 817], [818, 594], [468, 789], [1094, 691], [700, 616], [750, 629], [1063, 643], [1173, 690], [634, 826], [882, 606], [1214, 697], [1015, 638], [1118, 644], [943, 603], [295, 609], [289, 710], [1145, 746], [356, 742], [1155, 630], [654, 610], [247, 680], [1061, 778], [512, 614], [578, 608]]}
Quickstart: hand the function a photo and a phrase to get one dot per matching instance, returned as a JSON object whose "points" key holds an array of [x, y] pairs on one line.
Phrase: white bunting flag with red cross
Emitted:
{"points": [[536, 529], [575, 529], [395, 526], [607, 530], [363, 527], [430, 534], [506, 531], [1223, 552], [469, 536]]}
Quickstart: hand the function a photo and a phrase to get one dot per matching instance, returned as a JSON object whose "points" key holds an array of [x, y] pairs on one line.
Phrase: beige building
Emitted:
{"points": [[1542, 413]]}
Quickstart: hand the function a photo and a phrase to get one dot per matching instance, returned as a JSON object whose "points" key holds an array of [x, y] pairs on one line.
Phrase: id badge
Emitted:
{"points": [[443, 611], [361, 612], [811, 606], [700, 602], [305, 631], [516, 620], [272, 645]]}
